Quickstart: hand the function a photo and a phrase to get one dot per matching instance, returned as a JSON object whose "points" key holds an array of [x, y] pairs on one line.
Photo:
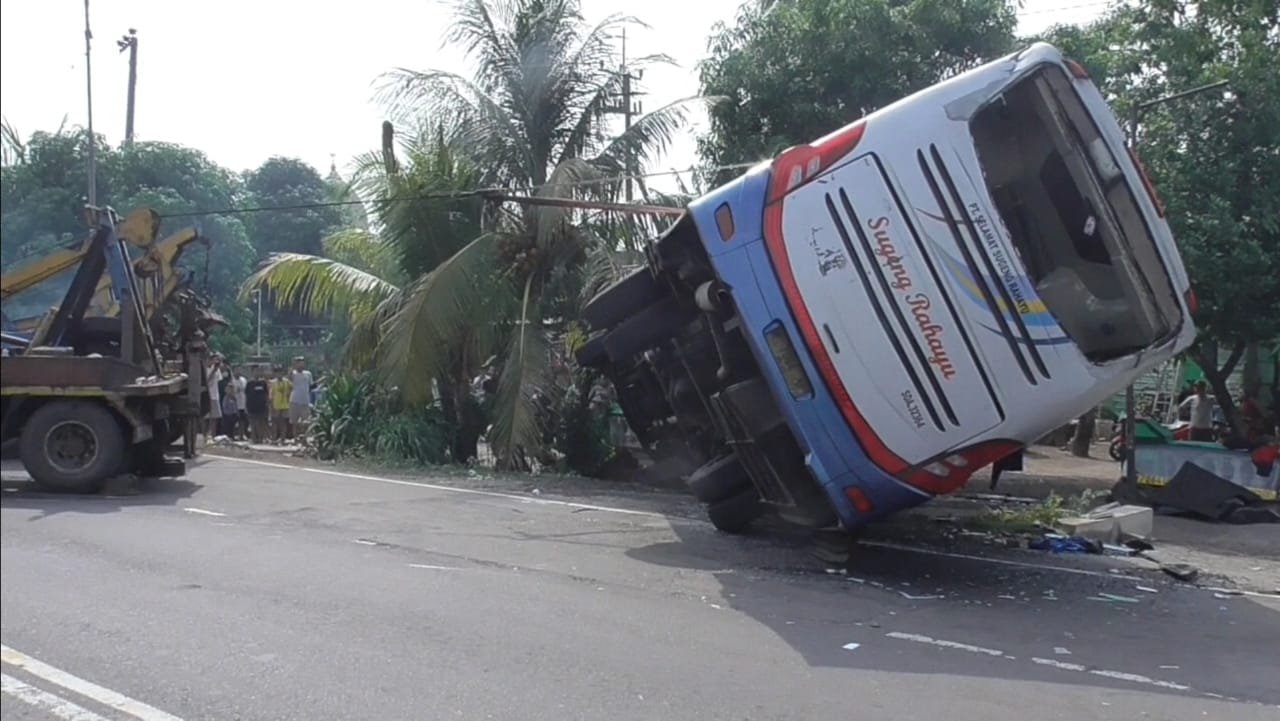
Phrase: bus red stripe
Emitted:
{"points": [[875, 448]]}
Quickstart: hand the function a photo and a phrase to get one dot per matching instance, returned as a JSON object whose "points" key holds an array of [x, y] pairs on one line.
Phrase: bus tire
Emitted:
{"points": [[73, 446], [718, 479], [625, 296], [735, 513]]}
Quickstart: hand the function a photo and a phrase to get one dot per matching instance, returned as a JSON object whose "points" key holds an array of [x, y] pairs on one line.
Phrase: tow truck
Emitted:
{"points": [[81, 416]]}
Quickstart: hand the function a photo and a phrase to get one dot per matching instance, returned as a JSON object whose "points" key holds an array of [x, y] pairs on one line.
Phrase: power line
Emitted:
{"points": [[1081, 6], [492, 192]]}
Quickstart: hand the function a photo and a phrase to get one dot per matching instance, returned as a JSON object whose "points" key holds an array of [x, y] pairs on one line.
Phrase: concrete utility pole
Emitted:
{"points": [[1130, 399], [626, 108], [93, 142], [130, 42]]}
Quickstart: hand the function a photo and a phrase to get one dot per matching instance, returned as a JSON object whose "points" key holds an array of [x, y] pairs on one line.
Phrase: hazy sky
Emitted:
{"points": [[246, 80]]}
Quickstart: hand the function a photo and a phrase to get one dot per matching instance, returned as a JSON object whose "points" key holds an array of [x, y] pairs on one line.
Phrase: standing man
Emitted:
{"points": [[1201, 405], [257, 395], [242, 423], [300, 396], [280, 392], [213, 382]]}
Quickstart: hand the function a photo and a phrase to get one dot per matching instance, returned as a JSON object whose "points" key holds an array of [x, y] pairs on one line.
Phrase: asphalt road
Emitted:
{"points": [[248, 591]]}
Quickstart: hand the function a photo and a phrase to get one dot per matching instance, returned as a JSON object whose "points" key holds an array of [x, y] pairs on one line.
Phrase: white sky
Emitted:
{"points": [[245, 80]]}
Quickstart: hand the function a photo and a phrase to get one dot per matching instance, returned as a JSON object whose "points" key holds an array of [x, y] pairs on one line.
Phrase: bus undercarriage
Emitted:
{"points": [[669, 338]]}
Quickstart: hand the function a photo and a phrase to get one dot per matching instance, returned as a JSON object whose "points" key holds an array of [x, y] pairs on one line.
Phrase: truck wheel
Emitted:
{"points": [[623, 298], [72, 446], [718, 479], [735, 514]]}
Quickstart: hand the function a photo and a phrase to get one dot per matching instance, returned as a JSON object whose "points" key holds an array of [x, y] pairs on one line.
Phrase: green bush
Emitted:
{"points": [[358, 417], [582, 426]]}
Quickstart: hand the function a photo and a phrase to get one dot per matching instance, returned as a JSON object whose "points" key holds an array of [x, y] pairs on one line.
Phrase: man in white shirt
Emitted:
{"points": [[242, 416], [1201, 404], [213, 376], [300, 396]]}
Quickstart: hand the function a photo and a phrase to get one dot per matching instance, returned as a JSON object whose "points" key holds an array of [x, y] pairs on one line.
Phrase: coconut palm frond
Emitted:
{"points": [[364, 251], [318, 286], [360, 352], [526, 374], [649, 136], [435, 312], [603, 267]]}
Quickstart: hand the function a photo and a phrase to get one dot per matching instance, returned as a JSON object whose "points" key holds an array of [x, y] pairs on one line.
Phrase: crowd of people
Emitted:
{"points": [[258, 404]]}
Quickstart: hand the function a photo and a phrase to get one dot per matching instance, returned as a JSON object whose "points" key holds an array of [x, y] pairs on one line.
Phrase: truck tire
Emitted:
{"points": [[73, 446], [646, 328], [718, 479], [735, 513], [624, 297]]}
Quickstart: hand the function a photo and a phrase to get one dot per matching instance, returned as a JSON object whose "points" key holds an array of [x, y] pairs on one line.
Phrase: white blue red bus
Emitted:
{"points": [[863, 322]]}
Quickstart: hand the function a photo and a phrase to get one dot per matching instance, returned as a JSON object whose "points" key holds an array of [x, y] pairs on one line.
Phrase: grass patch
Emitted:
{"points": [[1036, 517]]}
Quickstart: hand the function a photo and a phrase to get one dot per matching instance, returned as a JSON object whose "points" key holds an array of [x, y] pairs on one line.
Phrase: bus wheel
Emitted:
{"points": [[717, 480], [735, 513], [72, 446], [620, 300]]}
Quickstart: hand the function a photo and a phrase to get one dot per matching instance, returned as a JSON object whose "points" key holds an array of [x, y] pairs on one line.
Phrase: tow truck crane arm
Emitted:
{"points": [[156, 270]]}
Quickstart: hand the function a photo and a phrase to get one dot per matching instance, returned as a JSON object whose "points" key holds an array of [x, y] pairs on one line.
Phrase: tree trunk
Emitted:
{"points": [[1251, 373], [1083, 437], [1217, 377], [463, 419]]}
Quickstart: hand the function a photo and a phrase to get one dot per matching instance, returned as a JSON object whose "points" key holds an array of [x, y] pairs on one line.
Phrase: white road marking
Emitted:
{"points": [[438, 487], [88, 689], [431, 567], [1000, 561], [1053, 663], [203, 512], [943, 643], [46, 701], [1118, 675]]}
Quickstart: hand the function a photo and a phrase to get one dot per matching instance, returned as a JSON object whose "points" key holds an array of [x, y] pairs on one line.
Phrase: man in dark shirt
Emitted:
{"points": [[257, 398]]}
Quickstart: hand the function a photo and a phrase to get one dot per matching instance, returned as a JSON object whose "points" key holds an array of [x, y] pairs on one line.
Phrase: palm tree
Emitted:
{"points": [[530, 119], [532, 116], [366, 279]]}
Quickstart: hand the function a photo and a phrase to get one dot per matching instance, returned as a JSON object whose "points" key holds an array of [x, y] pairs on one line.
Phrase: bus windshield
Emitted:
{"points": [[1073, 217]]}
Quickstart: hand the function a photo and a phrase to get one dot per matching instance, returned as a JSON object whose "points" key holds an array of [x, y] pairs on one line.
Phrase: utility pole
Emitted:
{"points": [[1130, 399], [130, 42], [626, 108], [257, 295], [93, 141]]}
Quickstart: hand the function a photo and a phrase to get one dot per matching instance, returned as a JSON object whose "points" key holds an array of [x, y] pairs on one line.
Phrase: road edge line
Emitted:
{"points": [[88, 689], [45, 701], [439, 487]]}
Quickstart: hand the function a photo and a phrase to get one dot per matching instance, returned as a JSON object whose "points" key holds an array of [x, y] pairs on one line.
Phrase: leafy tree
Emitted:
{"points": [[1215, 157], [795, 70], [44, 183], [292, 184]]}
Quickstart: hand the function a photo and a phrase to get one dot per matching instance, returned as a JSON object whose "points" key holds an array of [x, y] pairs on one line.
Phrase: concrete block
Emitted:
{"points": [[1111, 523]]}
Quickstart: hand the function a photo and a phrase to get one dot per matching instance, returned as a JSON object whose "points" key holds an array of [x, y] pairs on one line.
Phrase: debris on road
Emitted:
{"points": [[1181, 571], [1113, 598], [910, 597], [1064, 544], [1110, 523]]}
